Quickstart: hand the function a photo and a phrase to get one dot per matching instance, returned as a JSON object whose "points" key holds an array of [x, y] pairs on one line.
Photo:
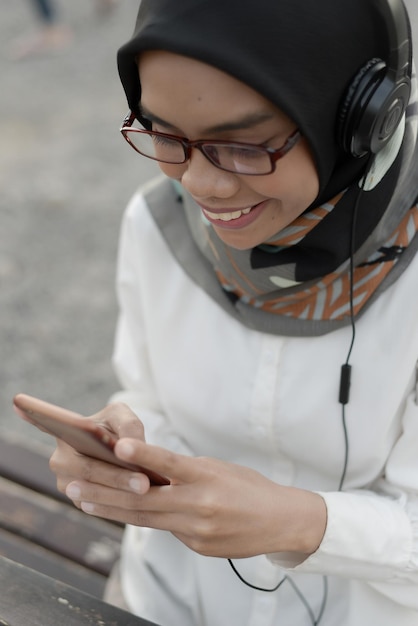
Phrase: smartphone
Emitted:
{"points": [[81, 433]]}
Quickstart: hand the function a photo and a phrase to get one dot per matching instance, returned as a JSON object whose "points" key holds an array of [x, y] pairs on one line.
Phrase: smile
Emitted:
{"points": [[239, 218], [227, 217]]}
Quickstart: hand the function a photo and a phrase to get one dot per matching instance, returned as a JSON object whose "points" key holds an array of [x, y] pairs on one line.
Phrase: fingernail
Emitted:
{"points": [[125, 448], [87, 507], [136, 484], [73, 491]]}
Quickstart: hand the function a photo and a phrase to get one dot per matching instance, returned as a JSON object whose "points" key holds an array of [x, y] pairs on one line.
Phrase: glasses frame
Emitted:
{"points": [[274, 154]]}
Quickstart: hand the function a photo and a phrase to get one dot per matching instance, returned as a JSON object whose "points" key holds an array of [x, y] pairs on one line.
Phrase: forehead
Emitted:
{"points": [[182, 86]]}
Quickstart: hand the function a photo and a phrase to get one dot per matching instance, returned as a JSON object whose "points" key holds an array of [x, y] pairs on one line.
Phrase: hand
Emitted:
{"points": [[215, 508], [70, 465]]}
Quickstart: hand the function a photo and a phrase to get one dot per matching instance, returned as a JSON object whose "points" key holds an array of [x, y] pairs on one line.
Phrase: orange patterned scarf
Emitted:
{"points": [[328, 298]]}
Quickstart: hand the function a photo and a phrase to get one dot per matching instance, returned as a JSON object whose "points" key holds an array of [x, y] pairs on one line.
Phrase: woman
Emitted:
{"points": [[278, 253]]}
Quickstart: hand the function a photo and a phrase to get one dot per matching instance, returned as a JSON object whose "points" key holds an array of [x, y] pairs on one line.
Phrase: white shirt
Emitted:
{"points": [[203, 384]]}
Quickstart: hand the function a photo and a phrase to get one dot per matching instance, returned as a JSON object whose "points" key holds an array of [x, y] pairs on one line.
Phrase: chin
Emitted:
{"points": [[237, 242]]}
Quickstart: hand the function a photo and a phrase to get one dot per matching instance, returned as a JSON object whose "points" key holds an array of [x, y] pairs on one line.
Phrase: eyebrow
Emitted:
{"points": [[247, 121]]}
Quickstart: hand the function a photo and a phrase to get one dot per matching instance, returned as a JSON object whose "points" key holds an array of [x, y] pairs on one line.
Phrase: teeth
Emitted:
{"points": [[227, 217]]}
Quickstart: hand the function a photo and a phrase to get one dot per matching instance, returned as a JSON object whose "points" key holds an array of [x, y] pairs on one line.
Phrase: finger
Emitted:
{"points": [[177, 467], [145, 519], [77, 466], [64, 460], [134, 494], [176, 524], [80, 491], [121, 420]]}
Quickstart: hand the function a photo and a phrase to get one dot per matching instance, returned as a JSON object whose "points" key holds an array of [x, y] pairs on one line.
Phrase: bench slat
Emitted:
{"points": [[23, 551], [32, 598], [41, 529], [59, 527]]}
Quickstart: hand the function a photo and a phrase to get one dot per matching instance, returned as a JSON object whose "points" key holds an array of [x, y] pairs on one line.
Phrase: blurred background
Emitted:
{"points": [[66, 176]]}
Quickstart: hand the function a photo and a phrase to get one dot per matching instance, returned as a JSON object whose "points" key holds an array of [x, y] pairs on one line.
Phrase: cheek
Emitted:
{"points": [[306, 181], [172, 171], [303, 174], [295, 181]]}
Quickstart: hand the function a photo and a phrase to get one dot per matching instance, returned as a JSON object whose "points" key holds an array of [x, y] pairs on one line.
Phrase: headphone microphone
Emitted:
{"points": [[376, 100]]}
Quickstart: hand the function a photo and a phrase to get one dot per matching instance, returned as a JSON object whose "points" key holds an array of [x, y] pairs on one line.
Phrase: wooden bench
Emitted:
{"points": [[41, 529], [28, 598]]}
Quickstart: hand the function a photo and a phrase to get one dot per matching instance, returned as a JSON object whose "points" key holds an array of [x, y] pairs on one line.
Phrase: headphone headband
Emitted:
{"points": [[400, 48]]}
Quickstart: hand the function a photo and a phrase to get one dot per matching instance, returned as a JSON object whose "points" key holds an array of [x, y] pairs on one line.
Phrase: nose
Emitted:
{"points": [[202, 179]]}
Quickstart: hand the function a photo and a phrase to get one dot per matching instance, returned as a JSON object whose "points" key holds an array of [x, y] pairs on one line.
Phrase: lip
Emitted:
{"points": [[240, 222]]}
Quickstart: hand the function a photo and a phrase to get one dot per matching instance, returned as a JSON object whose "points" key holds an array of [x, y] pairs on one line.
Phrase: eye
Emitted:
{"points": [[162, 140], [240, 152]]}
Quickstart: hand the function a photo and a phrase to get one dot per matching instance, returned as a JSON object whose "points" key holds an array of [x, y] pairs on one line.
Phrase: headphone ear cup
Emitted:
{"points": [[372, 109], [355, 103]]}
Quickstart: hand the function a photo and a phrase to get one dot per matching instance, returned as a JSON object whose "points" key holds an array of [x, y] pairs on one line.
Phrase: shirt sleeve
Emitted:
{"points": [[372, 535]]}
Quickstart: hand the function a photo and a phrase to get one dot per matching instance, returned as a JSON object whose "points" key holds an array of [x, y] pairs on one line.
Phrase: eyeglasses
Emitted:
{"points": [[231, 156]]}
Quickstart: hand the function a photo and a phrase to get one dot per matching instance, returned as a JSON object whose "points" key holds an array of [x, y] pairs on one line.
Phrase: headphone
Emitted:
{"points": [[376, 100]]}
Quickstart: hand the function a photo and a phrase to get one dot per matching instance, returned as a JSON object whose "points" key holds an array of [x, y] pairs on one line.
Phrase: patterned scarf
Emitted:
{"points": [[329, 298], [299, 283]]}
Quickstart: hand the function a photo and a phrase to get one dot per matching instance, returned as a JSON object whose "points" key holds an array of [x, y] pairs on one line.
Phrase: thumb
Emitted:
{"points": [[121, 420]]}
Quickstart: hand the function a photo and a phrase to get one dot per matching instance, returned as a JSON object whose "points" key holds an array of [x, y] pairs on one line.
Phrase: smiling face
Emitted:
{"points": [[182, 96]]}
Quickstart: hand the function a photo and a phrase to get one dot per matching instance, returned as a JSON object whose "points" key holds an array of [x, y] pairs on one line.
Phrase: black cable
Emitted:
{"points": [[315, 621], [275, 588], [324, 600], [346, 449], [305, 603], [344, 394], [345, 379]]}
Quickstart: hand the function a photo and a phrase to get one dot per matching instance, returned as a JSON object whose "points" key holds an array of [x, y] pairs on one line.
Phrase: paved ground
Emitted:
{"points": [[65, 178]]}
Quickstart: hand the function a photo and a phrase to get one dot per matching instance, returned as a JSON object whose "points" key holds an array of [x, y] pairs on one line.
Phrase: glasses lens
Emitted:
{"points": [[158, 147], [239, 159]]}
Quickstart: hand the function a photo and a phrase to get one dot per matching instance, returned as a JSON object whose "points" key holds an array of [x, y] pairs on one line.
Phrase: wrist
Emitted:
{"points": [[306, 521]]}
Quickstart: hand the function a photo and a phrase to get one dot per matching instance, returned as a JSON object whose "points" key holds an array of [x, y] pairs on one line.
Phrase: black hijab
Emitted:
{"points": [[300, 54]]}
